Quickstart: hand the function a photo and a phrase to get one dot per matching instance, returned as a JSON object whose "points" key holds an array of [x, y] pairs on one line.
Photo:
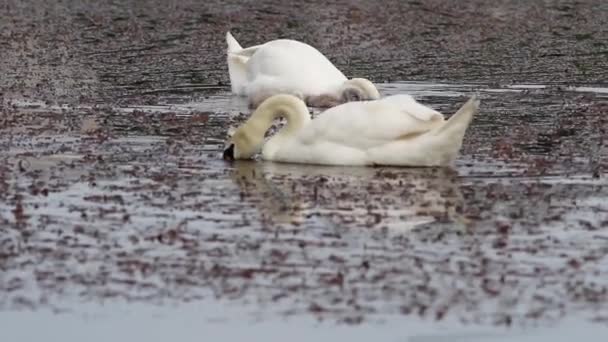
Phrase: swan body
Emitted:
{"points": [[396, 130], [286, 66]]}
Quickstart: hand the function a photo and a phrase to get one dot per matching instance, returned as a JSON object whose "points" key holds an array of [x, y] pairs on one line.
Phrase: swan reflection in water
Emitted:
{"points": [[393, 198]]}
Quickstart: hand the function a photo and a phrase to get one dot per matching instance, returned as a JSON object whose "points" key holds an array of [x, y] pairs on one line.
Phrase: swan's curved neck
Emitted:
{"points": [[293, 109]]}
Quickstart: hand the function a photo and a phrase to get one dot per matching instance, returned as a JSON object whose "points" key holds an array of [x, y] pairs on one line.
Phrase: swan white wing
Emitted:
{"points": [[365, 125], [237, 58], [409, 105], [297, 65], [237, 70], [242, 56], [262, 86], [249, 51]]}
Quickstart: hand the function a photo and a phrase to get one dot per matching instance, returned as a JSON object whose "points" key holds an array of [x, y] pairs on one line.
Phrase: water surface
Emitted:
{"points": [[109, 205]]}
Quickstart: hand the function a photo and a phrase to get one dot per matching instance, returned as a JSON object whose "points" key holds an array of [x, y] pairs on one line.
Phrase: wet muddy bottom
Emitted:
{"points": [[130, 209]]}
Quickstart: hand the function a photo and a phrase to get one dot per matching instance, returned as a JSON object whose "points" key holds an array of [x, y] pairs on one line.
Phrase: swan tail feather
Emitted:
{"points": [[233, 44], [235, 48], [448, 138], [457, 124], [237, 65], [249, 51]]}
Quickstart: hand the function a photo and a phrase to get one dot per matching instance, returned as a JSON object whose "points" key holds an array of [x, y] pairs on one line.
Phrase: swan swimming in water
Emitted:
{"points": [[286, 66], [395, 130]]}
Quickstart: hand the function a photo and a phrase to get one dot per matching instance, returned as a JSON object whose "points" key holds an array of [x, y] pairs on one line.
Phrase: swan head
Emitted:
{"points": [[358, 89], [244, 142], [248, 139]]}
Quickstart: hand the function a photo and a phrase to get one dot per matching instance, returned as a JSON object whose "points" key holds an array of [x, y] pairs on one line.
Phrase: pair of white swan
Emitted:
{"points": [[281, 77]]}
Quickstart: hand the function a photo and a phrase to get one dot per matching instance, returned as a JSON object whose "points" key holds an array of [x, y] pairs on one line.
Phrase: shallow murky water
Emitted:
{"points": [[107, 205]]}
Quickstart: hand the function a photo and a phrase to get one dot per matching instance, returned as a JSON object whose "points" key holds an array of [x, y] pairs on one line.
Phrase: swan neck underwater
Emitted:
{"points": [[358, 89], [352, 90], [248, 139]]}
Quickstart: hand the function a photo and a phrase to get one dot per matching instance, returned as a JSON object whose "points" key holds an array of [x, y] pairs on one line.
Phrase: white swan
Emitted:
{"points": [[287, 66], [396, 130]]}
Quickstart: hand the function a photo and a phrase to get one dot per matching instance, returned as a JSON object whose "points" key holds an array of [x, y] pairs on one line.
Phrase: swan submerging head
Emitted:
{"points": [[229, 153], [396, 130], [286, 66]]}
